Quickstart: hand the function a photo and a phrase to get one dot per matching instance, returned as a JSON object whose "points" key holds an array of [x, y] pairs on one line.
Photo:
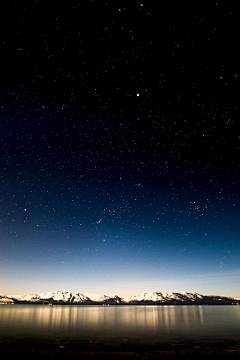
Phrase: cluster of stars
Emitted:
{"points": [[120, 138]]}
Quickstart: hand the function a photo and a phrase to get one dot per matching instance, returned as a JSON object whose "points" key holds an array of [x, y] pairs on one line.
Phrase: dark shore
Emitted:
{"points": [[134, 303], [124, 349]]}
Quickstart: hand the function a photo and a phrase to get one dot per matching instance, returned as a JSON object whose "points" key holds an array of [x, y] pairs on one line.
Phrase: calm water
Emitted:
{"points": [[160, 324]]}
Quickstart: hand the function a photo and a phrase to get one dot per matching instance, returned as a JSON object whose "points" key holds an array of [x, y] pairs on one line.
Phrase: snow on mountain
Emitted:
{"points": [[99, 298], [65, 296], [5, 300], [30, 297], [163, 297], [62, 296], [145, 298]]}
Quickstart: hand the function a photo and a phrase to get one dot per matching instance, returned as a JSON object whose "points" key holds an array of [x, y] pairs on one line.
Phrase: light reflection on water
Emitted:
{"points": [[143, 323]]}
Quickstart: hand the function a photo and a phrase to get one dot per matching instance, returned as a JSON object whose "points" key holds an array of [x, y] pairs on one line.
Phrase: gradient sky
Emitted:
{"points": [[119, 148]]}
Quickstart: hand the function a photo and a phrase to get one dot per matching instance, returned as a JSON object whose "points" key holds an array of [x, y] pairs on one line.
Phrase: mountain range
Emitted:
{"points": [[152, 298]]}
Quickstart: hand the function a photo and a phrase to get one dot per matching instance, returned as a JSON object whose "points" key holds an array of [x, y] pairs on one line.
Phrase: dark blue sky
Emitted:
{"points": [[120, 149]]}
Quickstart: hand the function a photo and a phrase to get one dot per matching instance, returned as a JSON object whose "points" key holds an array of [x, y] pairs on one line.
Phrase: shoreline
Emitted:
{"points": [[123, 349], [146, 303]]}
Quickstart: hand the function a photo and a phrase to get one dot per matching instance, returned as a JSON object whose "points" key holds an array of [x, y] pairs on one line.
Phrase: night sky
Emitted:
{"points": [[119, 147]]}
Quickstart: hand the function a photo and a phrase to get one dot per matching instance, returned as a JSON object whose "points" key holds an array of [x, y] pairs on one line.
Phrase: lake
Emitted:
{"points": [[155, 324]]}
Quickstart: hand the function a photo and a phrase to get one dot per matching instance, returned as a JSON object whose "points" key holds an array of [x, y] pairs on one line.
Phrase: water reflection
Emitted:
{"points": [[162, 323]]}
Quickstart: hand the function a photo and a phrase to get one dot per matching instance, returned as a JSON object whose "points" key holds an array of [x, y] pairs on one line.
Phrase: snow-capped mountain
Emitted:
{"points": [[167, 298], [164, 296], [61, 297]]}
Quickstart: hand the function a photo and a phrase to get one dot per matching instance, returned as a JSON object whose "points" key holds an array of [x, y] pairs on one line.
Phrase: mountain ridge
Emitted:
{"points": [[151, 298]]}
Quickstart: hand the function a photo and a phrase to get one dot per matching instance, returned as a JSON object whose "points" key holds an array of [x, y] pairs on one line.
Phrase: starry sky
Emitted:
{"points": [[119, 147]]}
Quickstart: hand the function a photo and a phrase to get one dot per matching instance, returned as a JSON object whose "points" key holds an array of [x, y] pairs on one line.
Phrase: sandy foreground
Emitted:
{"points": [[124, 349]]}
